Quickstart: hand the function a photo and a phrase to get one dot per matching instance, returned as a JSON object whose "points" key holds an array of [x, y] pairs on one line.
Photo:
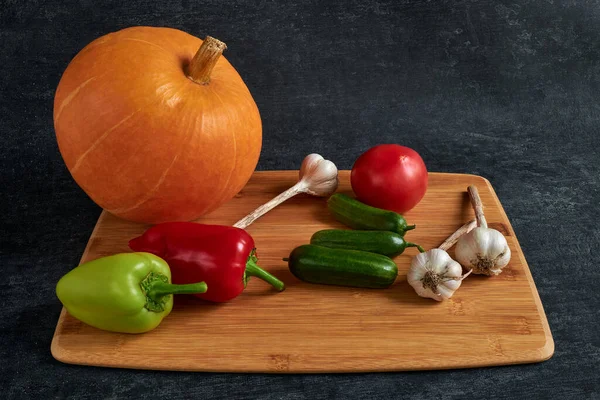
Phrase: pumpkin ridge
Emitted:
{"points": [[72, 95], [225, 187], [100, 140], [149, 193], [147, 42], [98, 42]]}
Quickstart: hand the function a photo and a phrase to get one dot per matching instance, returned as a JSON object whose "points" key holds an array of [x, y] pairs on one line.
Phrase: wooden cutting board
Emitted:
{"points": [[317, 328]]}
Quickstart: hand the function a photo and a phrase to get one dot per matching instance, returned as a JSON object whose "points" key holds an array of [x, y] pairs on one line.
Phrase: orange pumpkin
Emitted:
{"points": [[155, 125]]}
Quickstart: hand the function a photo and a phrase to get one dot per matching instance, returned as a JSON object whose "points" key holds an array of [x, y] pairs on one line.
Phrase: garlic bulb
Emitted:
{"points": [[484, 250], [434, 274], [318, 177]]}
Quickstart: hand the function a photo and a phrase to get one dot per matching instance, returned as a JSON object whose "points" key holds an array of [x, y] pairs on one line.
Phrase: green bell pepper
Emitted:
{"points": [[128, 292]]}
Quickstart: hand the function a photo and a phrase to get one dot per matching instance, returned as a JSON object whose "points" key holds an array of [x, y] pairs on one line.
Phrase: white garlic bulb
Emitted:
{"points": [[435, 274], [319, 176], [484, 250]]}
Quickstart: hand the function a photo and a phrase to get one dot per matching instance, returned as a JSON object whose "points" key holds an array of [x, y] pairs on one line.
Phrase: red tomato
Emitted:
{"points": [[391, 177]]}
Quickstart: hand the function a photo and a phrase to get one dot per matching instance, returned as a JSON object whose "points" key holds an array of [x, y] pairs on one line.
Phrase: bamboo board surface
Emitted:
{"points": [[317, 328]]}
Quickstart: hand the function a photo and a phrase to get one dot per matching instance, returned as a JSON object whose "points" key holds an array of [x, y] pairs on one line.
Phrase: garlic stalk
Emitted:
{"points": [[434, 274], [318, 177], [484, 250]]}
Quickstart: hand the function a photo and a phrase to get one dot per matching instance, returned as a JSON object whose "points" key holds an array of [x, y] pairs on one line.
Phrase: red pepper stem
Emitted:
{"points": [[252, 269], [159, 289]]}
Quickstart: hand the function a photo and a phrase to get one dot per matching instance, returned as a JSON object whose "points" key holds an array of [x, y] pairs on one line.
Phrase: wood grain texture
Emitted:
{"points": [[317, 328]]}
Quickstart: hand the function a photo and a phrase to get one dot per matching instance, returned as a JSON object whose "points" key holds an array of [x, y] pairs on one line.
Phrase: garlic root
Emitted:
{"points": [[318, 177]]}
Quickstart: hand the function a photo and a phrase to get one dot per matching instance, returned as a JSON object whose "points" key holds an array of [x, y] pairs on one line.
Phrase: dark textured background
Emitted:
{"points": [[505, 89]]}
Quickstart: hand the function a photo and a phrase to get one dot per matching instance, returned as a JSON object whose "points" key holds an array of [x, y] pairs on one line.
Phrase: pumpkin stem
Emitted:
{"points": [[205, 59]]}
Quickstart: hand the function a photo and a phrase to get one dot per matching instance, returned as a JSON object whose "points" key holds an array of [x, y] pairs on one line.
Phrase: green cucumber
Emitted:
{"points": [[317, 264], [386, 243], [357, 215]]}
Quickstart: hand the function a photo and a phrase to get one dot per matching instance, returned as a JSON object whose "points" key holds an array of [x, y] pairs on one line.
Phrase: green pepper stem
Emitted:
{"points": [[252, 269], [409, 244], [410, 227], [158, 289]]}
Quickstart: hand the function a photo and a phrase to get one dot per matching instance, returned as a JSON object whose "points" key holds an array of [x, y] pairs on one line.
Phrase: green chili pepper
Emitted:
{"points": [[128, 292]]}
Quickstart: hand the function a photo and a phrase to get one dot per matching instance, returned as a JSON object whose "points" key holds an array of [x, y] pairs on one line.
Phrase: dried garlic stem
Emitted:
{"points": [[265, 208], [318, 177], [452, 239], [477, 206]]}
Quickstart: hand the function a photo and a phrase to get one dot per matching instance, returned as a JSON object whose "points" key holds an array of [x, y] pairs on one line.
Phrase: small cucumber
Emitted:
{"points": [[357, 215], [317, 264], [386, 243]]}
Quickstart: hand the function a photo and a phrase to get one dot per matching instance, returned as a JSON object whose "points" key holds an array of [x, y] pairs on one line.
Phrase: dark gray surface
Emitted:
{"points": [[508, 90]]}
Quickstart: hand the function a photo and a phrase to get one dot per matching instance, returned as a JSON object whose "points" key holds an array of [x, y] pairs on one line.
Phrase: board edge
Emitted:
{"points": [[55, 349], [546, 351]]}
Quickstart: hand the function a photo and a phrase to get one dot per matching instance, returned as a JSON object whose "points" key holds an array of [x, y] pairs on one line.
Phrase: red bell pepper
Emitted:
{"points": [[222, 256]]}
